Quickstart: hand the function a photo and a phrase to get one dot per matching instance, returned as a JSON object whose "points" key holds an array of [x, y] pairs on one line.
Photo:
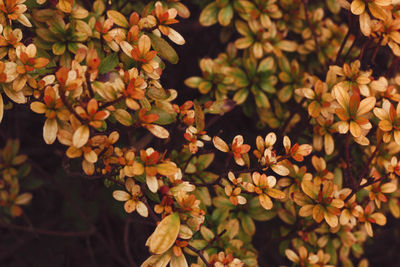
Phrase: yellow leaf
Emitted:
{"points": [[65, 6], [157, 130], [265, 201], [275, 193], [50, 131], [165, 234], [81, 136], [357, 7], [23, 199], [166, 168], [331, 219], [220, 144], [318, 213], [157, 260], [118, 18], [123, 117], [179, 261]]}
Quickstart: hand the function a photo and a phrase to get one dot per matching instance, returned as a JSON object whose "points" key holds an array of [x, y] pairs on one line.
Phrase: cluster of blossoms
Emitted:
{"points": [[94, 73]]}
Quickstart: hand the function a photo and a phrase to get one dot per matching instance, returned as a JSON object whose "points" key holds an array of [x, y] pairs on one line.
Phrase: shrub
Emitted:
{"points": [[318, 79]]}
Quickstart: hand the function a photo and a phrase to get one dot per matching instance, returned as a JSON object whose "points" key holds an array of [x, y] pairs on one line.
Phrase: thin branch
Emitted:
{"points": [[366, 168], [376, 50], [314, 34], [69, 107], [342, 46], [115, 101], [216, 237], [201, 255], [370, 181], [348, 161], [89, 85]]}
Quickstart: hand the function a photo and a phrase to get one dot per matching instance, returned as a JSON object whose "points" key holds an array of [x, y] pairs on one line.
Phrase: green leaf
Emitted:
{"points": [[58, 49], [209, 14], [31, 183], [108, 63], [152, 196], [203, 161], [248, 225], [225, 15], [285, 93], [123, 117], [163, 49], [241, 96], [165, 117]]}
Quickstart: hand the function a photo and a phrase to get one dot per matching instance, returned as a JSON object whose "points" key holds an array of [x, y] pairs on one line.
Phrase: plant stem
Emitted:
{"points": [[342, 46]]}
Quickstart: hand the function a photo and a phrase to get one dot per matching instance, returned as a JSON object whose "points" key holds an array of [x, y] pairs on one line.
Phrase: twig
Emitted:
{"points": [[213, 240], [376, 50], [293, 112], [89, 85], [314, 34], [342, 46], [351, 47], [115, 101], [201, 255], [366, 168], [348, 161], [393, 66], [371, 181], [69, 107]]}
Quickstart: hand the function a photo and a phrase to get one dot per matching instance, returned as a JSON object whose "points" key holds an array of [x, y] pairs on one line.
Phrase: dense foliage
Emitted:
{"points": [[308, 156]]}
